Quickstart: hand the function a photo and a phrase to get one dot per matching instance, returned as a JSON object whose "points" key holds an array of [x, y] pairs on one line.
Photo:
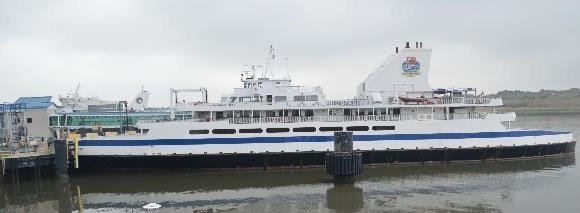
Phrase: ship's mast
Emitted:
{"points": [[268, 71]]}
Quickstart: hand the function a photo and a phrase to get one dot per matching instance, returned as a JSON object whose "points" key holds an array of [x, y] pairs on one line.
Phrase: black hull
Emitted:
{"points": [[315, 159]]}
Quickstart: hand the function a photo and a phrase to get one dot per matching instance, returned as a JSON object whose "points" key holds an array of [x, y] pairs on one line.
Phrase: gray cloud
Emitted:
{"points": [[114, 47]]}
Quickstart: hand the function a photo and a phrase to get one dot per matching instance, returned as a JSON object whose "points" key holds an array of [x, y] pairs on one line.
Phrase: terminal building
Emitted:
{"points": [[25, 120]]}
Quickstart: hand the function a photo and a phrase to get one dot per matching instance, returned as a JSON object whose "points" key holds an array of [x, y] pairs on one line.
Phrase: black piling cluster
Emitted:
{"points": [[61, 156], [343, 163]]}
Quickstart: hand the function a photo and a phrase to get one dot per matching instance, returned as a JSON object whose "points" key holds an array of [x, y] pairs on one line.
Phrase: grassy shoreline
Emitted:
{"points": [[541, 110]]}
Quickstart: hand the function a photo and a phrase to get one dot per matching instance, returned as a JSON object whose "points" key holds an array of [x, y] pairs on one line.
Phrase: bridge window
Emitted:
{"points": [[304, 129], [299, 98], [295, 112], [198, 131], [277, 130], [257, 130], [330, 129], [311, 98], [378, 128], [357, 128]]}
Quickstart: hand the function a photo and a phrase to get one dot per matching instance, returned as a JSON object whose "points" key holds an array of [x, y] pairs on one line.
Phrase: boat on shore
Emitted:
{"points": [[396, 117]]}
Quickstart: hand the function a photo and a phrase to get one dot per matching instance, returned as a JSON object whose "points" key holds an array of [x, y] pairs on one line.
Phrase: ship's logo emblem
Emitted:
{"points": [[411, 67]]}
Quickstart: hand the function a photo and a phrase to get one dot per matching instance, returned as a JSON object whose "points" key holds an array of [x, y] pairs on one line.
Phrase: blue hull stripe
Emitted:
{"points": [[289, 139]]}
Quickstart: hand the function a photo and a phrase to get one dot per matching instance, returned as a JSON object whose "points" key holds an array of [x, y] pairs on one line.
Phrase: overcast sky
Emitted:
{"points": [[114, 47]]}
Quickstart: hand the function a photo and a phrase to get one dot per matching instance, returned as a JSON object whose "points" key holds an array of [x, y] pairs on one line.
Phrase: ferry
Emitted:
{"points": [[396, 116]]}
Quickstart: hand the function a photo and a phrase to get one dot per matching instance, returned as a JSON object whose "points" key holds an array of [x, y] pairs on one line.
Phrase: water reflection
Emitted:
{"points": [[436, 188], [344, 198]]}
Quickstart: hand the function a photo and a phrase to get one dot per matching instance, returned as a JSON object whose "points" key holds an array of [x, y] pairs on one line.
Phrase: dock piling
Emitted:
{"points": [[344, 163], [61, 157]]}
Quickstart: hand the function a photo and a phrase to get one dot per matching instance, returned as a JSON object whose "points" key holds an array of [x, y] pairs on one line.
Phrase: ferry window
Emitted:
{"points": [[295, 112], [257, 130], [311, 98], [347, 112], [308, 112], [357, 128], [28, 120], [224, 99], [304, 129], [223, 131], [299, 98], [330, 129], [396, 111], [277, 82], [198, 132], [280, 98], [245, 99], [277, 130], [145, 131], [376, 128]]}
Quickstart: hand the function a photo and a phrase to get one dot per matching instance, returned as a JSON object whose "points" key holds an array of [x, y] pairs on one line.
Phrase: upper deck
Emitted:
{"points": [[353, 103], [401, 81]]}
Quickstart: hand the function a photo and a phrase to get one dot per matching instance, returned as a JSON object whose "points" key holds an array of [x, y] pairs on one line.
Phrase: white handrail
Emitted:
{"points": [[296, 119]]}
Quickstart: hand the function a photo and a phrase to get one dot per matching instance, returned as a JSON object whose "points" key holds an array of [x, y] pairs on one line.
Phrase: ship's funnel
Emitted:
{"points": [[403, 74], [139, 103]]}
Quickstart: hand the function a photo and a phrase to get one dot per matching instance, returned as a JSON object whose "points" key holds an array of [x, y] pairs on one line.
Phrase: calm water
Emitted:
{"points": [[540, 185]]}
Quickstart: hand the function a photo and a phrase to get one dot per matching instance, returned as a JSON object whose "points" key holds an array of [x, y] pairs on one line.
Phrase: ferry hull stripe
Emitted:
{"points": [[290, 139]]}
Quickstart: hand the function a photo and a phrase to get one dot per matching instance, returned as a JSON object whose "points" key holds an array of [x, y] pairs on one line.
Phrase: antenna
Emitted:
{"points": [[269, 67], [251, 69]]}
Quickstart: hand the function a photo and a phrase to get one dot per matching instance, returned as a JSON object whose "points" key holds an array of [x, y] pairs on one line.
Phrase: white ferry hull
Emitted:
{"points": [[406, 135]]}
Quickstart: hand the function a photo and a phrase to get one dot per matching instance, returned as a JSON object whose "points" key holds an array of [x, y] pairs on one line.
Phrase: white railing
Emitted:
{"points": [[349, 103], [425, 101], [420, 117], [437, 101], [346, 103]]}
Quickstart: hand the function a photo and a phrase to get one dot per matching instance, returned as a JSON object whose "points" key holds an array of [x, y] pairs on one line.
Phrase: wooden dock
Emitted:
{"points": [[25, 163]]}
